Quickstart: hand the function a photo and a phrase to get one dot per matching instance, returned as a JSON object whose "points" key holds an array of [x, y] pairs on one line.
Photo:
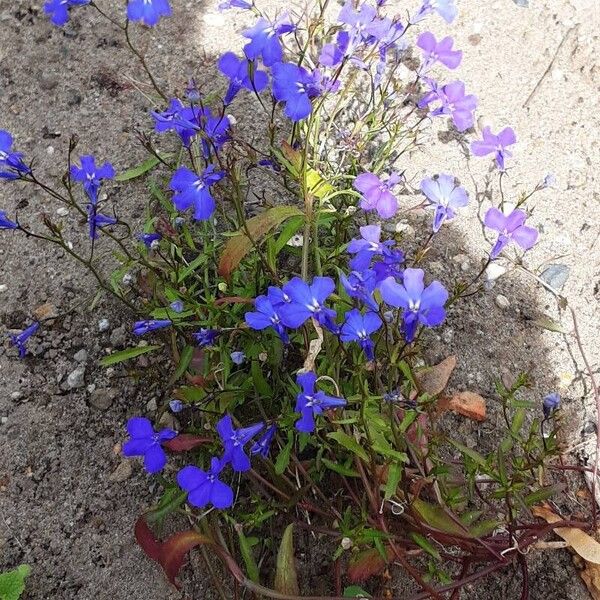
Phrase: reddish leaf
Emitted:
{"points": [[186, 441], [365, 564], [145, 538]]}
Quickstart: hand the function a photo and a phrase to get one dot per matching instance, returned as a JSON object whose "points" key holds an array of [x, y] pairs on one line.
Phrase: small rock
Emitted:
{"points": [[469, 405], [169, 421], [152, 405], [76, 378], [45, 311], [102, 399], [118, 337], [48, 81], [50, 150], [91, 388], [3, 287], [16, 395], [502, 302], [556, 276], [122, 472], [81, 356], [63, 211], [103, 325], [4, 420]]}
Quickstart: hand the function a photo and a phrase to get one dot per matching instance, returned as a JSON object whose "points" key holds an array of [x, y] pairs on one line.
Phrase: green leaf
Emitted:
{"points": [[248, 557], [424, 543], [127, 354], [472, 454], [185, 273], [287, 233], [286, 580], [484, 527], [138, 171], [339, 469], [171, 500], [518, 420], [543, 494], [343, 439], [549, 324], [283, 458], [184, 362], [261, 385], [12, 584], [354, 591], [393, 479], [437, 518]]}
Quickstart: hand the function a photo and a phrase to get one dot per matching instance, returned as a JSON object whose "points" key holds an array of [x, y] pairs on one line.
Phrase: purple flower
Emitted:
{"points": [[445, 8], [234, 4], [445, 197], [366, 247], [59, 9], [148, 239], [364, 23], [144, 441], [388, 266], [308, 301], [262, 446], [267, 314], [452, 101], [91, 176], [434, 51], [511, 228], [176, 306], [550, 404], [264, 40], [420, 304], [358, 328], [143, 327], [178, 118], [216, 132], [97, 221], [242, 73], [205, 487], [20, 340], [361, 285], [376, 193], [11, 163], [148, 11], [333, 54], [176, 406], [295, 86], [234, 441], [496, 144], [310, 403], [192, 189], [206, 337], [5, 222], [238, 357]]}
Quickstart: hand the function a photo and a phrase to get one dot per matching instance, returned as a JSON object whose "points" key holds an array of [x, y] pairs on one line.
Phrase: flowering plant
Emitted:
{"points": [[296, 329]]}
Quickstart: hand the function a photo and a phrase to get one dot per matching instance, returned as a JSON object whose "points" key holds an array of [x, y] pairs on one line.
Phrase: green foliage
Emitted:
{"points": [[12, 583]]}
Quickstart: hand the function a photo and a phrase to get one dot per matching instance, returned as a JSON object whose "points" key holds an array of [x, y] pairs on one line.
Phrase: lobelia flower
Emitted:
{"points": [[434, 51], [549, 181], [453, 101], [420, 304], [550, 404], [90, 175], [364, 23], [242, 73], [358, 328], [176, 406], [361, 285], [238, 357], [294, 86], [143, 327], [366, 247], [308, 301], [511, 228], [20, 340], [332, 54], [496, 144], [216, 131], [59, 9], [5, 222], [234, 441], [445, 8], [97, 221], [144, 441], [206, 337], [192, 189], [310, 403], [205, 487], [445, 196], [176, 306], [262, 446], [148, 11], [267, 313], [11, 163], [264, 40], [148, 239], [234, 4], [376, 193], [388, 266], [179, 118]]}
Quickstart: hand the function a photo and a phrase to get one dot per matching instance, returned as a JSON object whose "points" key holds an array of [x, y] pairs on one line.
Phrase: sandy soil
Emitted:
{"points": [[67, 505]]}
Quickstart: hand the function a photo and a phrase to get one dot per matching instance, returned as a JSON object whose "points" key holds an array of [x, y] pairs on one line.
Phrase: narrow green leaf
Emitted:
{"points": [[248, 557], [543, 494], [436, 517], [354, 591], [472, 454], [340, 469], [518, 420], [127, 354], [172, 499], [184, 362], [343, 439], [286, 580], [138, 171], [287, 233], [283, 458], [261, 385], [393, 479], [424, 543]]}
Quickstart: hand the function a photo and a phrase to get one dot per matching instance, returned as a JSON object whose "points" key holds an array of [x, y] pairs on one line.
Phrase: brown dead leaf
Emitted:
{"points": [[433, 380], [467, 404], [586, 546], [591, 578], [45, 311]]}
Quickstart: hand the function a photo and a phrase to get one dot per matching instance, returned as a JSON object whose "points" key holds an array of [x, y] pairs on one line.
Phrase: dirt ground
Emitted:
{"points": [[67, 501]]}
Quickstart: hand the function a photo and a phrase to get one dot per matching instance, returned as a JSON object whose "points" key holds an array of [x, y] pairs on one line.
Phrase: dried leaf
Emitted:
{"points": [[591, 578], [586, 546], [286, 580], [367, 563], [314, 348], [468, 404], [186, 441], [434, 380]]}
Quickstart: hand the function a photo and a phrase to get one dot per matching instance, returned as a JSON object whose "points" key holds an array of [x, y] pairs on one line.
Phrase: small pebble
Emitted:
{"points": [[81, 356], [122, 472], [151, 405], [76, 378], [103, 325], [63, 211], [502, 302]]}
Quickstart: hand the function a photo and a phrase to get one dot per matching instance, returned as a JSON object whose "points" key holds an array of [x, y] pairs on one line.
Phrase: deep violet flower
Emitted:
{"points": [[5, 222], [20, 340], [206, 337], [332, 54], [511, 227], [310, 403], [434, 51], [179, 118], [143, 327], [59, 10], [242, 73], [367, 246], [267, 313], [91, 175], [148, 11], [445, 196], [496, 144], [149, 239], [11, 163], [550, 404], [308, 300], [358, 328], [377, 193], [262, 445], [361, 285], [193, 190], [97, 221], [264, 40], [144, 441], [294, 86], [205, 487], [234, 441]]}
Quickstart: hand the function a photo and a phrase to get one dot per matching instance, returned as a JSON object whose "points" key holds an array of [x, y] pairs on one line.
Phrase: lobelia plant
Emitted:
{"points": [[296, 333]]}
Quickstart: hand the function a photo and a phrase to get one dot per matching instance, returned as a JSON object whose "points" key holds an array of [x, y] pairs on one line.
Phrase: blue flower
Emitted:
{"points": [[242, 74], [445, 196], [176, 306], [192, 189], [148, 11], [178, 118], [91, 176], [452, 100], [358, 328], [267, 314], [96, 221], [206, 337], [176, 406], [295, 86], [11, 163], [333, 54], [367, 246], [308, 301], [262, 446], [5, 222], [364, 23], [143, 327], [216, 132], [20, 340], [59, 9], [420, 304], [238, 357], [550, 404], [234, 4], [445, 8], [148, 239], [361, 285], [205, 487], [144, 441], [264, 40], [234, 441], [310, 403]]}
